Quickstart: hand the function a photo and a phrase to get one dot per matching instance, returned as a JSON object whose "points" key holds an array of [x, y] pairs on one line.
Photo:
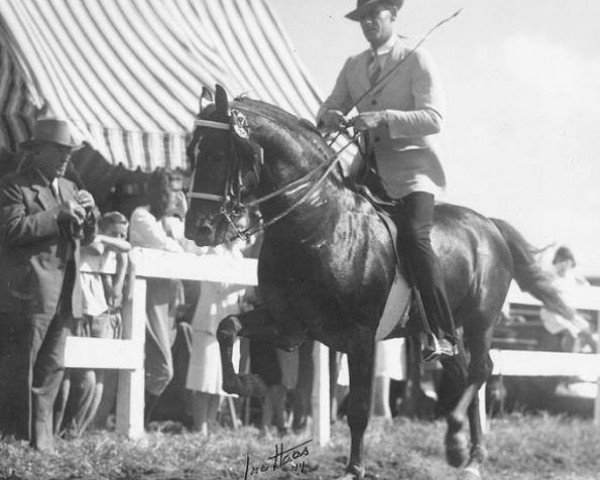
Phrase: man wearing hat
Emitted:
{"points": [[43, 219], [400, 111]]}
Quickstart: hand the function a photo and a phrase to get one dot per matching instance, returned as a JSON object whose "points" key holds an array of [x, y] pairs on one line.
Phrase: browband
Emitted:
{"points": [[206, 196], [210, 124]]}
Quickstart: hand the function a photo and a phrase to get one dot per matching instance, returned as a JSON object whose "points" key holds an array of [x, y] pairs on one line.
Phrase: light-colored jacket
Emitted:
{"points": [[406, 149]]}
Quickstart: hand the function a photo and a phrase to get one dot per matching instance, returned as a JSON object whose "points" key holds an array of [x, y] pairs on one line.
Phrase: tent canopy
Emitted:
{"points": [[127, 74]]}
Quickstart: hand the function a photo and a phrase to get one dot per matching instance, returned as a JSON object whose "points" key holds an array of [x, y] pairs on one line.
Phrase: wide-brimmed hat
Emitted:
{"points": [[362, 5], [51, 130]]}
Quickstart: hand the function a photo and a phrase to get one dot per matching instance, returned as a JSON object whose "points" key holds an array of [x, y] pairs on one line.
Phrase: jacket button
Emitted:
{"points": [[373, 102]]}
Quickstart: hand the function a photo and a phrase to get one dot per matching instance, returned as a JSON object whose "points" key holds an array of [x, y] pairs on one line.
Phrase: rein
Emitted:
{"points": [[238, 207]]}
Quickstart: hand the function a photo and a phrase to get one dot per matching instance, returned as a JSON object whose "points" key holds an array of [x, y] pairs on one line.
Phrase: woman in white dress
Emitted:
{"points": [[204, 377]]}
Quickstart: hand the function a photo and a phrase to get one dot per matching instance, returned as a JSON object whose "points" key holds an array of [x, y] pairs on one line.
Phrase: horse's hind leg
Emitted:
{"points": [[468, 406], [480, 368], [455, 376]]}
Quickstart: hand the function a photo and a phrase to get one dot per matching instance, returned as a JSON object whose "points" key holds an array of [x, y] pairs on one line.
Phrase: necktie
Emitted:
{"points": [[374, 70]]}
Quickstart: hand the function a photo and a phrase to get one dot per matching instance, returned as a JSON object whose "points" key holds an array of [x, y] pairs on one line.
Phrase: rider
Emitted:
{"points": [[400, 115]]}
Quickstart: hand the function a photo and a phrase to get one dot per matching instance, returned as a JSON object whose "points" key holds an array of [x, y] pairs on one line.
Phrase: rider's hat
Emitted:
{"points": [[362, 5]]}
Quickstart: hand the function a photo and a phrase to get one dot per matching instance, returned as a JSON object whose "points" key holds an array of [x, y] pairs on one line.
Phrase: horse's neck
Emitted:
{"points": [[290, 156], [315, 209]]}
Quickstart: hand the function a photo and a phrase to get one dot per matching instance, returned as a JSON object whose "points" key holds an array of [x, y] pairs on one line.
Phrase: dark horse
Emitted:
{"points": [[327, 261]]}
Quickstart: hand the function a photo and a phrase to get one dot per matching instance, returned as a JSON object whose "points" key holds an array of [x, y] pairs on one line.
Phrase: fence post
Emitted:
{"points": [[130, 394], [597, 401], [485, 423], [320, 396], [597, 405]]}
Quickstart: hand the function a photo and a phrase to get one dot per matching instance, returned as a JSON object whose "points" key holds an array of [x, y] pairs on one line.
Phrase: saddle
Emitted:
{"points": [[369, 186]]}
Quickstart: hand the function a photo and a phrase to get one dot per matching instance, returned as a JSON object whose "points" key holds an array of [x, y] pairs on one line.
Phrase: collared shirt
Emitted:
{"points": [[381, 54], [55, 189]]}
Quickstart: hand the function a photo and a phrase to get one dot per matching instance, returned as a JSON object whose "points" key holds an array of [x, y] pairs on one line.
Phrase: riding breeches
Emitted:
{"points": [[413, 215]]}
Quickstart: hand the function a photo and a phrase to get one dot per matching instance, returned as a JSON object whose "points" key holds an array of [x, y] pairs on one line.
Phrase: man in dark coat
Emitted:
{"points": [[43, 219]]}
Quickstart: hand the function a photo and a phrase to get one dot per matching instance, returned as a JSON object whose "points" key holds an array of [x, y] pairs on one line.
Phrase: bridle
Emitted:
{"points": [[232, 205]]}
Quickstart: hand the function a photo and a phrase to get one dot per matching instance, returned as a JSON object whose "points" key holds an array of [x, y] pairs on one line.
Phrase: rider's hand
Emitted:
{"points": [[69, 211], [332, 120], [369, 120], [85, 199]]}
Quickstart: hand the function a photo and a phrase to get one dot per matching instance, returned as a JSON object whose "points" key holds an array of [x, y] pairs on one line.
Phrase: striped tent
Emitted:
{"points": [[128, 73]]}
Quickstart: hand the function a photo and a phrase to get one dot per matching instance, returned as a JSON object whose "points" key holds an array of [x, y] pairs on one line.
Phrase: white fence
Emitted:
{"points": [[544, 364], [127, 354]]}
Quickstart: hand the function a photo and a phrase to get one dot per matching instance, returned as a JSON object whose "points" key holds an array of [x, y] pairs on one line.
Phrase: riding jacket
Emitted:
{"points": [[405, 147]]}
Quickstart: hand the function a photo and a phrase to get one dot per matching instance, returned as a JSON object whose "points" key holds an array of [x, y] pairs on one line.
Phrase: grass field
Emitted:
{"points": [[520, 447]]}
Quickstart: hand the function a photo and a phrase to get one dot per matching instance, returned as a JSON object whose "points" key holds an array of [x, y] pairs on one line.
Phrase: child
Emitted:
{"points": [[102, 301]]}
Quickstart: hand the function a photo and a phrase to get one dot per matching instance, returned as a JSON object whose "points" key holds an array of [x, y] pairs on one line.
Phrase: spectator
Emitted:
{"points": [[566, 335], [204, 378], [390, 364], [156, 225], [43, 220], [82, 390]]}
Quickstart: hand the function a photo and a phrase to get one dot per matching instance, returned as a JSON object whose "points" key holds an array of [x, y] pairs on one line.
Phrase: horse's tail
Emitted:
{"points": [[529, 275]]}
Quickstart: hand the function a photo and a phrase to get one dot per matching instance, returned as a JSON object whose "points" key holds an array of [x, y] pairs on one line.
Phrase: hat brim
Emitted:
{"points": [[27, 144], [355, 14]]}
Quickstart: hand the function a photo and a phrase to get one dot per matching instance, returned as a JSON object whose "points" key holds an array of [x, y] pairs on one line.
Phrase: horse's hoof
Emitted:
{"points": [[347, 476], [353, 473], [470, 473], [457, 449]]}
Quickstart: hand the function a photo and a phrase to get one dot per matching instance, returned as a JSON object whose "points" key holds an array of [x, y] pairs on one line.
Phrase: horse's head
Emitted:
{"points": [[225, 170]]}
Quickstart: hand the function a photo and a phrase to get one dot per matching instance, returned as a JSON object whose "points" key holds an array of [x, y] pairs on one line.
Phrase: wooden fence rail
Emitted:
{"points": [[544, 364], [127, 354]]}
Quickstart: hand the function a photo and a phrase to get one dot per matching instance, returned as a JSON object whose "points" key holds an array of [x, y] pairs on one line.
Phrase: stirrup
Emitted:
{"points": [[430, 348], [434, 350]]}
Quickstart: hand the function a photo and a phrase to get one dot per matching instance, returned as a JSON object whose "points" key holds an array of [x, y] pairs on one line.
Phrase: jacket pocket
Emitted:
{"points": [[18, 283]]}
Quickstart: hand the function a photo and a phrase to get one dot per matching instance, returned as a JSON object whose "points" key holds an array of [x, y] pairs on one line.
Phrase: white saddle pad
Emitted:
{"points": [[396, 307]]}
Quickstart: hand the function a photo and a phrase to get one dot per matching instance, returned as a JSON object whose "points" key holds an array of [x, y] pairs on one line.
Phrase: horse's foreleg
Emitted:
{"points": [[456, 443], [360, 365], [242, 385]]}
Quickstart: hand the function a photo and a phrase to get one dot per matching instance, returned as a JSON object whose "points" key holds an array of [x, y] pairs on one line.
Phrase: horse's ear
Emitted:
{"points": [[221, 101], [205, 99]]}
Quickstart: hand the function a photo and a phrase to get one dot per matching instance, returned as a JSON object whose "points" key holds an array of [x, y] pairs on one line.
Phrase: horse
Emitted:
{"points": [[328, 263]]}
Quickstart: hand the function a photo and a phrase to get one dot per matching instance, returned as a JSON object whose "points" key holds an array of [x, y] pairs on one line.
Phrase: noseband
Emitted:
{"points": [[232, 208]]}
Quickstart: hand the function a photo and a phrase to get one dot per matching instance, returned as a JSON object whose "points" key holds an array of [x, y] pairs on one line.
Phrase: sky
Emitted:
{"points": [[522, 80]]}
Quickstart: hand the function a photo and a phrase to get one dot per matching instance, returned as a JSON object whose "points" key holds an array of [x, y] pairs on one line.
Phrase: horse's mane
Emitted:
{"points": [[296, 126]]}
